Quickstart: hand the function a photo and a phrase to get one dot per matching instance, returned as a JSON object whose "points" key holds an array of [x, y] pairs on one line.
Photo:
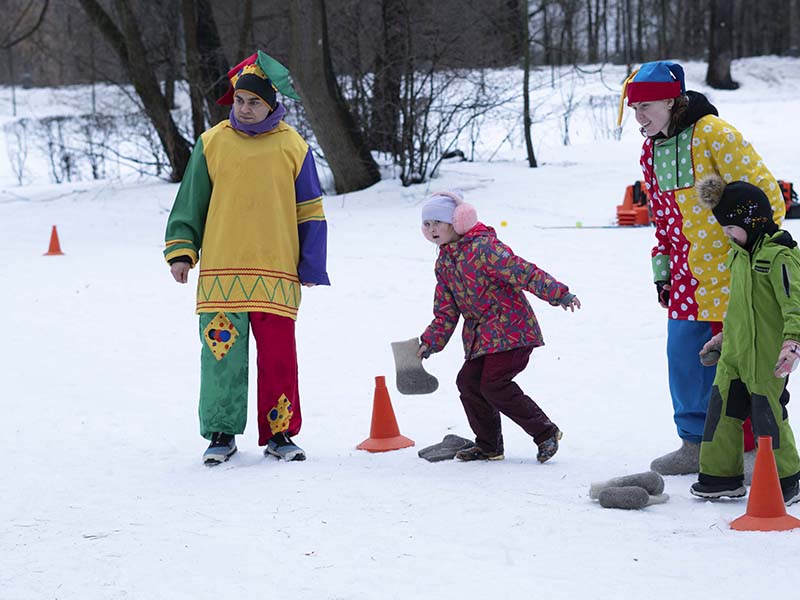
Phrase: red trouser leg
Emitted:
{"points": [[747, 426], [278, 397]]}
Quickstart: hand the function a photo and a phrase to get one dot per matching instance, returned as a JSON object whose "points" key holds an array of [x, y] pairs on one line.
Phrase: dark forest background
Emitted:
{"points": [[369, 71]]}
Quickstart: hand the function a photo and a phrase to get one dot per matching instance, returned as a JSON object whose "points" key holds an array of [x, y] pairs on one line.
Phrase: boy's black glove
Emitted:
{"points": [[662, 288]]}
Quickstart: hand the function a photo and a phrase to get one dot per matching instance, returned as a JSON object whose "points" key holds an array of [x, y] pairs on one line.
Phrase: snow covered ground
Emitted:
{"points": [[103, 494]]}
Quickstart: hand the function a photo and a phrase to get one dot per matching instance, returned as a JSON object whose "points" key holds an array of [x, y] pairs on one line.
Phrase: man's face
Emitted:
{"points": [[249, 108]]}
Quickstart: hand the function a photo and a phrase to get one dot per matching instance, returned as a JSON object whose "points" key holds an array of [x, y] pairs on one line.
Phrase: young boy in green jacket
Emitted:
{"points": [[760, 345]]}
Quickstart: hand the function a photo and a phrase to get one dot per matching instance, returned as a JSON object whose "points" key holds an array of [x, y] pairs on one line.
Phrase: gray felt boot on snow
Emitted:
{"points": [[446, 449], [411, 377], [629, 497], [650, 481], [749, 465], [683, 461]]}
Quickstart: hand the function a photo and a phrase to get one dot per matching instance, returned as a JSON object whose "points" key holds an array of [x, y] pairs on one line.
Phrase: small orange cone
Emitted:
{"points": [[384, 435], [765, 508], [55, 247]]}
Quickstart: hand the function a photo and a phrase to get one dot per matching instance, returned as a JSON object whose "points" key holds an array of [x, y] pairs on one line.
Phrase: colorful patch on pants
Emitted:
{"points": [[280, 416], [220, 335]]}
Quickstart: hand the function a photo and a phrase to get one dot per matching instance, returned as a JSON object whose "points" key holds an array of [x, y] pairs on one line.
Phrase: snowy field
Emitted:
{"points": [[103, 494]]}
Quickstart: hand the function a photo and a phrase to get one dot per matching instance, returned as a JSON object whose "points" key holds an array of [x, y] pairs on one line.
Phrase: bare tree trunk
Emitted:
{"points": [[526, 91], [591, 39], [246, 31], [639, 31], [171, 50], [213, 64], [385, 117], [628, 34], [720, 46], [548, 41], [348, 157], [127, 42], [663, 51], [193, 72], [794, 27]]}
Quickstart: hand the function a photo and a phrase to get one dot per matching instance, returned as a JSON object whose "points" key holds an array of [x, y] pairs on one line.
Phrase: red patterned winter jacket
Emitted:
{"points": [[482, 279]]}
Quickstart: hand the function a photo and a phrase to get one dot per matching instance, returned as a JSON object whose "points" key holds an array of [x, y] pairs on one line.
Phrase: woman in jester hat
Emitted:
{"points": [[249, 212], [685, 140]]}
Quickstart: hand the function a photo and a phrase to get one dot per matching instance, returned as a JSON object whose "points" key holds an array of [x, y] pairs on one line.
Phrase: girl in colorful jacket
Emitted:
{"points": [[685, 140], [479, 277]]}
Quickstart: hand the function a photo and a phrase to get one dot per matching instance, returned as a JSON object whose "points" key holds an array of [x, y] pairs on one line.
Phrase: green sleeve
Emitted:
{"points": [[187, 220], [660, 265], [785, 275]]}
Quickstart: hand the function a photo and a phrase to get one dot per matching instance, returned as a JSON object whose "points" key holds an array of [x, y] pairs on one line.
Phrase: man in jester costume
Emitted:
{"points": [[685, 141], [249, 212]]}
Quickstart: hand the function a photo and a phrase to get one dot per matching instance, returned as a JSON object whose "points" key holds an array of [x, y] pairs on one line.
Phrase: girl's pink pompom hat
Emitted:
{"points": [[449, 207]]}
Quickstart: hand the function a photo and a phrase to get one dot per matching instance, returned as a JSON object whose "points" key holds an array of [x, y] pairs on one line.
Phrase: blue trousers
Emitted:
{"points": [[689, 381]]}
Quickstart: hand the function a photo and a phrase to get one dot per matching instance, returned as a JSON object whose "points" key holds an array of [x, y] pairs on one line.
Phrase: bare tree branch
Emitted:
{"points": [[10, 42]]}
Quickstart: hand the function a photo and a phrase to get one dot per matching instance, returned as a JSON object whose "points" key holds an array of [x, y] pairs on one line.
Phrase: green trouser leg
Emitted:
{"points": [[223, 382], [731, 402]]}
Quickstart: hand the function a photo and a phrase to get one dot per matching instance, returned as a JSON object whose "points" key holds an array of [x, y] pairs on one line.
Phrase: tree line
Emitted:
{"points": [[377, 77]]}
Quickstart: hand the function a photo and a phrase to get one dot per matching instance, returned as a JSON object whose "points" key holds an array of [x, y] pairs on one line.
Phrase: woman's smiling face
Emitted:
{"points": [[654, 115]]}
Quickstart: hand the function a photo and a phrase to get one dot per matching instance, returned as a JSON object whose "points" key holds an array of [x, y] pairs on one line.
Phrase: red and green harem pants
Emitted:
{"points": [[224, 371]]}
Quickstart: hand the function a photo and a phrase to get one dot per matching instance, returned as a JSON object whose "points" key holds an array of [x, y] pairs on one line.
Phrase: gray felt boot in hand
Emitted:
{"points": [[411, 377], [629, 497], [650, 481], [683, 461]]}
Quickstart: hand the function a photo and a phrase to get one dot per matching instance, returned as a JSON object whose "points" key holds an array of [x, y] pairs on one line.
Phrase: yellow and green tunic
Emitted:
{"points": [[691, 248], [249, 209]]}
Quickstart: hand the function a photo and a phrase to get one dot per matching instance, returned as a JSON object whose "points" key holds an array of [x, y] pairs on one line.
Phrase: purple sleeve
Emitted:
{"points": [[312, 228]]}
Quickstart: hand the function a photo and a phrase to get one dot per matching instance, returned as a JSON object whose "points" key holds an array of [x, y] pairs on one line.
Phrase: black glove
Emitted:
{"points": [[662, 289]]}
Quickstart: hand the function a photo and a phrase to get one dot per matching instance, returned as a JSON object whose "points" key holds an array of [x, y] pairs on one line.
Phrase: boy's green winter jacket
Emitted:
{"points": [[764, 307]]}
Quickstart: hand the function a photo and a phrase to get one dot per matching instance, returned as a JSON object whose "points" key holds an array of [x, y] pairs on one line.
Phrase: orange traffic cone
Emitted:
{"points": [[384, 435], [765, 508], [55, 247]]}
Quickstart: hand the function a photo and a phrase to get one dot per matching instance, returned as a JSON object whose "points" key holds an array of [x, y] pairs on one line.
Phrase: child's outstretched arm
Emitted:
{"points": [[445, 319], [570, 302], [502, 264]]}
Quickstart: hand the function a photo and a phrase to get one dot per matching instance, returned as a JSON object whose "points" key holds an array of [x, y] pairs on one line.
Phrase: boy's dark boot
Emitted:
{"points": [[683, 461], [712, 491], [791, 493]]}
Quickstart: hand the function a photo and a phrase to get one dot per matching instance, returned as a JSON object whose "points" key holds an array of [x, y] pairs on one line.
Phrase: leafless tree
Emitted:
{"points": [[720, 46], [310, 62], [127, 41]]}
